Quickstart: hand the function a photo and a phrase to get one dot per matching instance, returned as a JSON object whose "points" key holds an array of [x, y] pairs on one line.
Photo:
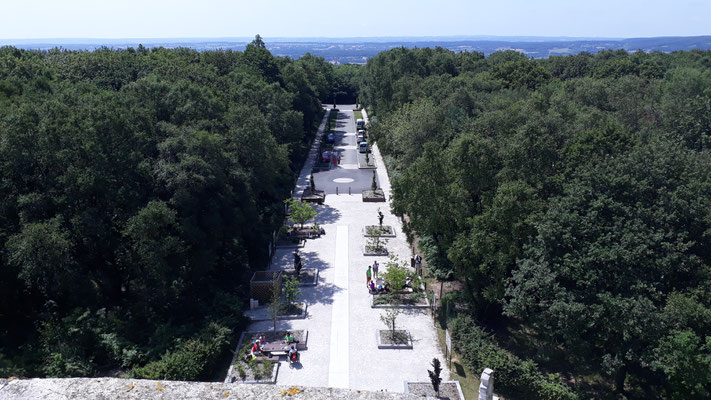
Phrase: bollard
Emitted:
{"points": [[336, 190], [349, 190]]}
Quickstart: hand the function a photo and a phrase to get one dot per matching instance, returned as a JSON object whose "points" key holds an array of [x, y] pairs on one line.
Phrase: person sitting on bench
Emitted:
{"points": [[293, 353], [256, 349], [289, 338], [371, 286]]}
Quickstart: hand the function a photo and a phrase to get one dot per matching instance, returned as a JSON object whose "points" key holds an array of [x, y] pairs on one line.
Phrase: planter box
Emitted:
{"points": [[262, 314], [377, 196], [450, 390], [317, 196], [424, 303], [381, 345], [236, 379], [307, 277], [371, 253], [385, 235], [301, 315]]}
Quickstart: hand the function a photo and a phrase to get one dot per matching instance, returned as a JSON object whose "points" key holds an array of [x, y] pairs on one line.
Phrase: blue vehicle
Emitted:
{"points": [[330, 138]]}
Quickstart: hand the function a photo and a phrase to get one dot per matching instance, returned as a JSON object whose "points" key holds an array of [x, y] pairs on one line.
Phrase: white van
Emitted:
{"points": [[363, 147], [360, 124]]}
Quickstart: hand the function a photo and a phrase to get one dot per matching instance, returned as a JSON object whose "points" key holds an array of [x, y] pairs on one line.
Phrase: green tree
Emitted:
{"points": [[300, 212], [292, 292], [619, 226], [686, 361]]}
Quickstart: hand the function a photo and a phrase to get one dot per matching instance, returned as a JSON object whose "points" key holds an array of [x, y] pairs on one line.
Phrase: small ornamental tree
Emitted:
{"points": [[375, 243], [313, 184], [389, 318], [300, 211], [434, 375], [291, 291], [395, 275], [374, 184]]}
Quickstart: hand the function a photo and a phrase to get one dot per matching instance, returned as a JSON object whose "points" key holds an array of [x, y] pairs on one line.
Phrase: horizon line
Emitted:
{"points": [[332, 38]]}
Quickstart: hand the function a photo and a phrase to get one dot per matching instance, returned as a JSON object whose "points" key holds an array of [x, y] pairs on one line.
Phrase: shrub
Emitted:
{"points": [[194, 359], [514, 376]]}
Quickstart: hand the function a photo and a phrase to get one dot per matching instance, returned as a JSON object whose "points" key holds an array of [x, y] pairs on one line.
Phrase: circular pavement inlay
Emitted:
{"points": [[343, 180]]}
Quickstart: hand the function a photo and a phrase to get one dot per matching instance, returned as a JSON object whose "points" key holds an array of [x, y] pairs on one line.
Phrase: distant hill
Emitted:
{"points": [[358, 50]]}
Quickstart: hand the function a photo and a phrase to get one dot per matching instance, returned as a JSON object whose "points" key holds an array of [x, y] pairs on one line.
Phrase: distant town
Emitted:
{"points": [[359, 50]]}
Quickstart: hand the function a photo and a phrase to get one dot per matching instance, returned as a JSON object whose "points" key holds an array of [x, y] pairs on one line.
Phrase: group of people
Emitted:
{"points": [[288, 340], [374, 284]]}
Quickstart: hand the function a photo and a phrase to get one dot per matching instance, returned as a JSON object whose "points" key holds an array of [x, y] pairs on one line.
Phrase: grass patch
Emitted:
{"points": [[357, 115], [467, 380]]}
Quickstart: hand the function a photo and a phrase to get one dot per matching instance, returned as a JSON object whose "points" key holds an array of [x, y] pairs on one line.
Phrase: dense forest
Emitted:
{"points": [[138, 189], [572, 196]]}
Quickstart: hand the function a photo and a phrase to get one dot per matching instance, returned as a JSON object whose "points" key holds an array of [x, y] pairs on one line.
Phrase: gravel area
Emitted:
{"points": [[447, 390]]}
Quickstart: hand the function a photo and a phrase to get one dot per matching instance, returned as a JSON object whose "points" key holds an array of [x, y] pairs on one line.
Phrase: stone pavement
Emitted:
{"points": [[342, 350]]}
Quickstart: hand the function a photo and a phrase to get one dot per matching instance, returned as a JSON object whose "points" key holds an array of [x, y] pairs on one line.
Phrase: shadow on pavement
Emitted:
{"points": [[311, 260], [319, 294], [326, 214]]}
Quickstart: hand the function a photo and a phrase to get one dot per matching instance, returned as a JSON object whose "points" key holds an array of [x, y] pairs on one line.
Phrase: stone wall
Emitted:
{"points": [[138, 389]]}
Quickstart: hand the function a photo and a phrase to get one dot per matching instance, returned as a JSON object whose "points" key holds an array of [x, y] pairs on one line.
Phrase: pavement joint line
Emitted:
{"points": [[338, 371]]}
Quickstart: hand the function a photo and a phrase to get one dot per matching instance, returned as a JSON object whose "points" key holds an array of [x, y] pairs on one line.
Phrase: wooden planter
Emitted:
{"points": [[262, 284]]}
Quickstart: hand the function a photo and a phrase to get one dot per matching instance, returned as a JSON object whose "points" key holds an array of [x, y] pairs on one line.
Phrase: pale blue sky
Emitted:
{"points": [[307, 18]]}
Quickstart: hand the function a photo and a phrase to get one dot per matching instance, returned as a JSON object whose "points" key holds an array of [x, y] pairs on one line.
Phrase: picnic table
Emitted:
{"points": [[275, 347]]}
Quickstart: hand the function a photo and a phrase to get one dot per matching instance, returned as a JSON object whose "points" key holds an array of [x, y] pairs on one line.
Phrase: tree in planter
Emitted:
{"points": [[313, 184], [300, 211], [291, 291], [276, 306], [374, 184], [367, 159], [389, 317], [380, 219], [434, 375], [376, 243], [396, 275]]}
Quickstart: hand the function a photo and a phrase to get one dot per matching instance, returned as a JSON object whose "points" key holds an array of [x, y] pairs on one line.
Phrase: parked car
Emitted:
{"points": [[363, 147], [360, 124], [360, 138], [362, 132], [330, 138]]}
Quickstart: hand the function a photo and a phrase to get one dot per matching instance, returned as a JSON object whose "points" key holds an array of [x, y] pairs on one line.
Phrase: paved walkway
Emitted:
{"points": [[342, 349]]}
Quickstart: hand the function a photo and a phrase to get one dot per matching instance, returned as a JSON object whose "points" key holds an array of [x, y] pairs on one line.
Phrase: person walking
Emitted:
{"points": [[368, 275], [418, 262], [375, 269]]}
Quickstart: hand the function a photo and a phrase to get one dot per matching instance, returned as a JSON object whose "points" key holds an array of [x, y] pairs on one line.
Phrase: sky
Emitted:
{"points": [[29, 19]]}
